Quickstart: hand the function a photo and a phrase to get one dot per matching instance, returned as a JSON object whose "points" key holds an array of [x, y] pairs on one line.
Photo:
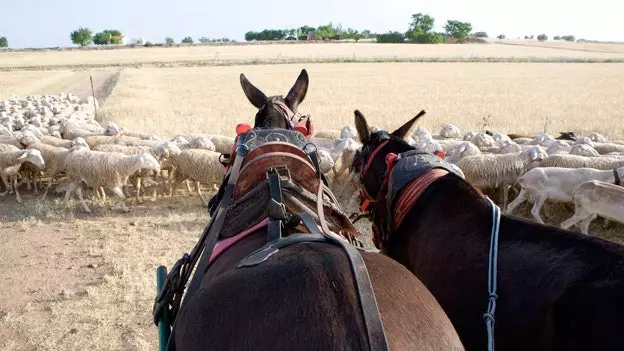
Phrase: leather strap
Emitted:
{"points": [[374, 326], [277, 210], [618, 181]]}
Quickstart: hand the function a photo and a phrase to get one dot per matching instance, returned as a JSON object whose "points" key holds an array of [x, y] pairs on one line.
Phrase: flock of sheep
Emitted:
{"points": [[57, 138]]}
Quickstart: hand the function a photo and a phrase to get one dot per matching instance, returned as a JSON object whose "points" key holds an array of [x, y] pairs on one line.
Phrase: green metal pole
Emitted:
{"points": [[163, 323]]}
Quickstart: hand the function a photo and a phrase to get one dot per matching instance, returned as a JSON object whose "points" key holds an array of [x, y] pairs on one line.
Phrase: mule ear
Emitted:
{"points": [[403, 130], [255, 96], [362, 126], [298, 91]]}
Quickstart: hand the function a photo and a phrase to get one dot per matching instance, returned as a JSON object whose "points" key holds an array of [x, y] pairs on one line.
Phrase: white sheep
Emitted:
{"points": [[202, 142], [104, 169], [605, 148], [576, 161], [556, 183], [10, 164], [202, 166], [584, 150], [483, 141], [493, 170], [596, 137], [595, 198], [583, 141], [223, 144], [465, 148], [349, 132], [160, 152], [326, 162], [558, 147], [449, 131], [328, 134]]}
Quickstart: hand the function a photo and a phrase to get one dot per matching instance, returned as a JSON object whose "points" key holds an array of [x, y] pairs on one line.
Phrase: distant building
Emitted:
{"points": [[312, 35]]}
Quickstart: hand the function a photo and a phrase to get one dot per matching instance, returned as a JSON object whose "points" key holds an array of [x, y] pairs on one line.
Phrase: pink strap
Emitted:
{"points": [[225, 244]]}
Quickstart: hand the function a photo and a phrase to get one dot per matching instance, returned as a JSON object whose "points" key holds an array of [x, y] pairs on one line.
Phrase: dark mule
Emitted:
{"points": [[278, 111], [557, 290], [268, 287]]}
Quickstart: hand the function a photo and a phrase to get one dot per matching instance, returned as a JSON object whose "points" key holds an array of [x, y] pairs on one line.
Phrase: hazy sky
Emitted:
{"points": [[44, 23]]}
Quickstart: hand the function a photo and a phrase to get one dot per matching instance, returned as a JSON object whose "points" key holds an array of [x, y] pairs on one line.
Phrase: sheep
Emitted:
{"points": [[202, 166], [104, 169], [595, 198], [202, 142], [483, 141], [448, 145], [326, 162], [328, 134], [55, 158], [11, 162], [493, 171], [558, 147], [449, 131], [223, 144], [596, 137], [5, 131], [542, 140], [11, 140], [162, 151], [605, 148], [576, 161], [50, 140], [462, 150], [556, 183], [349, 132], [584, 150]]}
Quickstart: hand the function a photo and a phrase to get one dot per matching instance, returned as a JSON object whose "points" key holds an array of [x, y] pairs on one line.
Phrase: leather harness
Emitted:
{"points": [[169, 298]]}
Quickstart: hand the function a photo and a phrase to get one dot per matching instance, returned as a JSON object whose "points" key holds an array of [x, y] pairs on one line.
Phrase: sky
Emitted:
{"points": [[47, 23]]}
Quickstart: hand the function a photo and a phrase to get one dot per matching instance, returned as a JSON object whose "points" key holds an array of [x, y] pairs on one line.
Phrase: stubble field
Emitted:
{"points": [[77, 281]]}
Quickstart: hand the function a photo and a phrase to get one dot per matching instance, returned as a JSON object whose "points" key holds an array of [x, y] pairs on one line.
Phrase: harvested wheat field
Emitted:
{"points": [[516, 97], [284, 53], [77, 281]]}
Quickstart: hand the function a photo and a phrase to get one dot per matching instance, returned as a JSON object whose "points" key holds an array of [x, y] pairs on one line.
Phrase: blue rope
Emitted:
{"points": [[492, 270]]}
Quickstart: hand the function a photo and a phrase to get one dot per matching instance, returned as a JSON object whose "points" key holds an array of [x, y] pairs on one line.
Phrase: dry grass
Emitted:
{"points": [[23, 83], [276, 52], [518, 97], [566, 45]]}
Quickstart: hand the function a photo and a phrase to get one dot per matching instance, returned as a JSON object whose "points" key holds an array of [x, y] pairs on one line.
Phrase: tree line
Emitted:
{"points": [[420, 30], [84, 36]]}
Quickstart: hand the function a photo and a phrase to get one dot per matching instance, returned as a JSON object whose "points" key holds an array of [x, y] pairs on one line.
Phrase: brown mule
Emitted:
{"points": [[557, 290], [269, 287]]}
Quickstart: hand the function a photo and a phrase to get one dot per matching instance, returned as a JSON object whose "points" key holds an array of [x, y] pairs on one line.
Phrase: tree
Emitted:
{"points": [[390, 37], [204, 40], [187, 40], [420, 30], [106, 37], [326, 32], [568, 38], [82, 36], [421, 23], [302, 32], [542, 37], [557, 37], [501, 37], [169, 40], [4, 42], [480, 35], [458, 30]]}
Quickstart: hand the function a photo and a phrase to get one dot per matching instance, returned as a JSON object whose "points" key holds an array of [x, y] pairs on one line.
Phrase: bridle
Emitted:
{"points": [[367, 201], [292, 121]]}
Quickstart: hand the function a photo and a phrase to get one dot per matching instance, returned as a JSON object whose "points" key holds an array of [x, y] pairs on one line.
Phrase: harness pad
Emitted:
{"points": [[411, 165]]}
